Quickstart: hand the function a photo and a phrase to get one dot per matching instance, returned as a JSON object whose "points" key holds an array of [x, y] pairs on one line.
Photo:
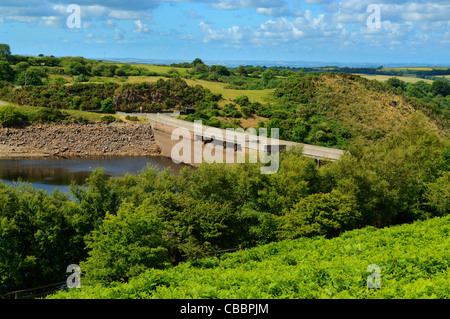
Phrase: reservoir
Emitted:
{"points": [[49, 173]]}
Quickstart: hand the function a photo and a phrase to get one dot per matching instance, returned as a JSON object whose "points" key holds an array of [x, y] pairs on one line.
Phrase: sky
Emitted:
{"points": [[346, 31]]}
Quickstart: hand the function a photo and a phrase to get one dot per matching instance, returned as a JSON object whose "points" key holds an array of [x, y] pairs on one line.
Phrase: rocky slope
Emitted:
{"points": [[70, 141]]}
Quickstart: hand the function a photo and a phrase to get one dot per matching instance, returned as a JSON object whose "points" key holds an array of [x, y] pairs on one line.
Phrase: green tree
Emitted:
{"points": [[242, 100], [11, 116], [95, 199], [107, 106], [32, 76], [75, 68], [37, 237], [6, 72], [320, 214], [397, 83], [197, 62], [419, 89], [126, 244], [438, 194], [241, 70], [22, 67], [440, 87], [5, 51], [267, 76], [220, 70]]}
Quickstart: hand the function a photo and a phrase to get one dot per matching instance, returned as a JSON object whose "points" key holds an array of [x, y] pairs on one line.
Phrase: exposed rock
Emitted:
{"points": [[78, 140]]}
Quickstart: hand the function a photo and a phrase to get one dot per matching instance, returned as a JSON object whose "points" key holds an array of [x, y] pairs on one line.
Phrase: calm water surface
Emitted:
{"points": [[48, 174]]}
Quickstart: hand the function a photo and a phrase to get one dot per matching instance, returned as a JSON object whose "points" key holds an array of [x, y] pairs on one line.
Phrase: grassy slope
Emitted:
{"points": [[90, 116], [384, 78], [413, 259], [367, 109]]}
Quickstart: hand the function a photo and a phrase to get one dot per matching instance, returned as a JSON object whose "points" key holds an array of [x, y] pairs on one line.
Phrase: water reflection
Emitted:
{"points": [[48, 174]]}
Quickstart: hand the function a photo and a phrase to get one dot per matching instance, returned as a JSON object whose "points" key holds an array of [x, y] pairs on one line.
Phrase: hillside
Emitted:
{"points": [[307, 268], [333, 109], [315, 106]]}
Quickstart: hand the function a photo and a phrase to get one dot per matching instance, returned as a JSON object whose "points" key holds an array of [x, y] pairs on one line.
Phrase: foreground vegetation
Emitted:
{"points": [[119, 228], [413, 261]]}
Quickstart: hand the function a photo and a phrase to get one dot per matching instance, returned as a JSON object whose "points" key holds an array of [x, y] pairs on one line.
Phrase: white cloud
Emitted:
{"points": [[140, 27], [53, 22], [265, 7], [129, 15]]}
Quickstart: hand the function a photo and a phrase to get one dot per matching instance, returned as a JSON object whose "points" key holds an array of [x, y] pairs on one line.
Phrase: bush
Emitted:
{"points": [[50, 116], [11, 116], [107, 106], [133, 118], [126, 244], [320, 214], [81, 78], [108, 119]]}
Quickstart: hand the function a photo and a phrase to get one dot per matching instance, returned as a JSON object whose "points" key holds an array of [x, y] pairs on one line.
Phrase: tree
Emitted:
{"points": [[438, 194], [267, 76], [126, 244], [196, 62], [440, 87], [94, 199], [6, 72], [241, 70], [31, 76], [5, 51], [10, 116], [37, 237], [220, 70], [22, 66], [75, 68], [419, 89], [320, 214], [396, 82], [107, 106], [242, 100]]}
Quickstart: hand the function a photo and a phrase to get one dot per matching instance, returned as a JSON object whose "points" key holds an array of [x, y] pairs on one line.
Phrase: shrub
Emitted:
{"points": [[107, 106], [50, 115], [108, 119], [11, 116], [133, 118]]}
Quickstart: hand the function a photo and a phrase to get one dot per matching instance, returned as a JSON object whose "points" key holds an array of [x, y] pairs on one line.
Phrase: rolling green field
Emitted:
{"points": [[415, 69], [384, 78]]}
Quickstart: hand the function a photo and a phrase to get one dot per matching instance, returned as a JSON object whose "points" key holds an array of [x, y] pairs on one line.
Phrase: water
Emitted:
{"points": [[49, 174]]}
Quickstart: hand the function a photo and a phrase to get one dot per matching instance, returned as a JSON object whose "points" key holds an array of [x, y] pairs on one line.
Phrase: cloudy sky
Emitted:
{"points": [[343, 31]]}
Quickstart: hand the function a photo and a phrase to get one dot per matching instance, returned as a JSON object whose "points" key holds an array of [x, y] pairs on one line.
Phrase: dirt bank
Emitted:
{"points": [[78, 141]]}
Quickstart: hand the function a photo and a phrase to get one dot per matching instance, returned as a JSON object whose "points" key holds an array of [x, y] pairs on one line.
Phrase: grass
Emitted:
{"points": [[415, 68], [161, 68], [384, 78], [90, 116], [261, 96]]}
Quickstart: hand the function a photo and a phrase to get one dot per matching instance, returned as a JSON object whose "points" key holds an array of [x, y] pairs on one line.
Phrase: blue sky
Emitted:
{"points": [[232, 30]]}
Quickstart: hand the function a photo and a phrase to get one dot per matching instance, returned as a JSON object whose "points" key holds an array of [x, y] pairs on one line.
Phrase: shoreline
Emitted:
{"points": [[78, 141]]}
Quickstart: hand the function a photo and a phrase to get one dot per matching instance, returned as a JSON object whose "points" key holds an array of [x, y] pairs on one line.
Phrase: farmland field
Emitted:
{"points": [[384, 78]]}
